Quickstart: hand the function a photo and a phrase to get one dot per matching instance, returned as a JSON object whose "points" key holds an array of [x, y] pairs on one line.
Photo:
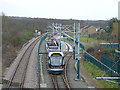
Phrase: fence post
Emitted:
{"points": [[117, 59]]}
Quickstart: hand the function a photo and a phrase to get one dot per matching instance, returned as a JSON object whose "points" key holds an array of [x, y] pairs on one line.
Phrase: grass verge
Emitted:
{"points": [[86, 46], [96, 72], [88, 40]]}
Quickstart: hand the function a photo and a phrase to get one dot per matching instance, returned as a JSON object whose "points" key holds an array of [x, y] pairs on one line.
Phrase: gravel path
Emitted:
{"points": [[72, 75]]}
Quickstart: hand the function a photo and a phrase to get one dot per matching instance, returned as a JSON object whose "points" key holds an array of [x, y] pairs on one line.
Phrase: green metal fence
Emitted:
{"points": [[117, 59], [42, 39], [109, 45], [106, 64], [93, 60], [111, 64]]}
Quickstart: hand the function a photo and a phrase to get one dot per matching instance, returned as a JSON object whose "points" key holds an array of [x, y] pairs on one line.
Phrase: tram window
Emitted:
{"points": [[56, 54], [56, 61]]}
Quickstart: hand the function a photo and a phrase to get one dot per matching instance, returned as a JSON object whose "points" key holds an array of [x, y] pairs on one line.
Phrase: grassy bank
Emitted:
{"points": [[88, 40], [92, 41], [86, 46], [96, 72]]}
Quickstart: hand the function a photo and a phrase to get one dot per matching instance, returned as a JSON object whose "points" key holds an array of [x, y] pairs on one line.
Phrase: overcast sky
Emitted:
{"points": [[61, 9]]}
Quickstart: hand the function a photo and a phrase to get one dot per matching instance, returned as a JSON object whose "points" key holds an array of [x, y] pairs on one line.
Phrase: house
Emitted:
{"points": [[115, 28], [84, 30], [88, 30], [92, 30]]}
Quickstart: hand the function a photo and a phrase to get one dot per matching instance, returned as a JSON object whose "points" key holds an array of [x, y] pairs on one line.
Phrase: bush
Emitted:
{"points": [[108, 50], [91, 49], [14, 41], [28, 35], [17, 40]]}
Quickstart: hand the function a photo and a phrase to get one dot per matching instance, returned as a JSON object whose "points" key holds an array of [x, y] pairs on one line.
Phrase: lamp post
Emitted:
{"points": [[60, 37], [74, 44]]}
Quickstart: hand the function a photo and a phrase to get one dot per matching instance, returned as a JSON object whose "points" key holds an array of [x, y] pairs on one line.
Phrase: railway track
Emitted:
{"points": [[64, 76], [61, 81], [54, 80], [18, 76]]}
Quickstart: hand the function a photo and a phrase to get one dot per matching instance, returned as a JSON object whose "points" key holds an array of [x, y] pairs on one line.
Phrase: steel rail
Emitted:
{"points": [[63, 76], [10, 81], [24, 73], [55, 83]]}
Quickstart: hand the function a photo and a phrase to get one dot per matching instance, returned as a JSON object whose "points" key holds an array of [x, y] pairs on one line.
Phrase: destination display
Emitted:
{"points": [[56, 54]]}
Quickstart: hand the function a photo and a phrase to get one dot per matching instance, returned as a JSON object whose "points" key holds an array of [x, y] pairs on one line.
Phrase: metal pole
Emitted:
{"points": [[107, 77], [53, 28], [56, 27], [57, 30], [87, 38], [78, 51], [74, 44], [60, 37]]}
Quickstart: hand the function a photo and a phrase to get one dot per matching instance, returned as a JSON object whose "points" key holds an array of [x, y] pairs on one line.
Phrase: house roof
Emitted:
{"points": [[92, 26], [87, 27]]}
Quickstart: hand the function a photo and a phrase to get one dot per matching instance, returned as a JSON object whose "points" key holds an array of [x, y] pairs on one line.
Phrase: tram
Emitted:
{"points": [[51, 45], [55, 62]]}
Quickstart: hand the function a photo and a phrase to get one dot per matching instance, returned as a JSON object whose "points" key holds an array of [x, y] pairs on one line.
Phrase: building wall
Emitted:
{"points": [[91, 30], [83, 32], [115, 28]]}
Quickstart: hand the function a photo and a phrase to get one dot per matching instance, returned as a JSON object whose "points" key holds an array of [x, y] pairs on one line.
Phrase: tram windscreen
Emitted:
{"points": [[56, 54], [56, 61]]}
